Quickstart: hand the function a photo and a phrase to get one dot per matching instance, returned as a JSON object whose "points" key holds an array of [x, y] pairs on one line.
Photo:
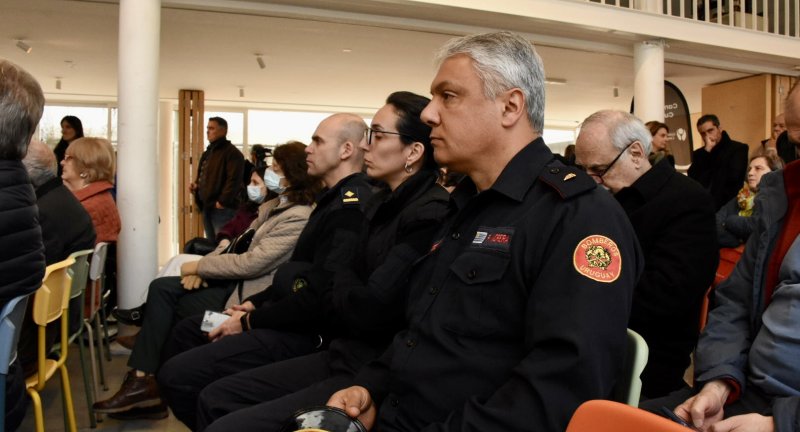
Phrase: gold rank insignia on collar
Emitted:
{"points": [[570, 176], [349, 196], [299, 284]]}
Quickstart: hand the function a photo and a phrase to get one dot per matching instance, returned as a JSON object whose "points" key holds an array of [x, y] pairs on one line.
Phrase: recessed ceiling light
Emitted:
{"points": [[555, 81], [347, 50]]}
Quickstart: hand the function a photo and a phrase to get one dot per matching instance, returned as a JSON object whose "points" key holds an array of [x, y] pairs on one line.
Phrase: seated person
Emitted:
{"points": [[734, 219], [207, 283], [747, 373], [660, 148], [365, 301]]}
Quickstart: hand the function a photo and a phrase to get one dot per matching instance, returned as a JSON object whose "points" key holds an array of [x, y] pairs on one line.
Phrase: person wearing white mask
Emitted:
{"points": [[205, 284]]}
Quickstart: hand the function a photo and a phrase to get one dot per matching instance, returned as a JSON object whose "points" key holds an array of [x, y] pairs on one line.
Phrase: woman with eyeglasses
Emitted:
{"points": [[356, 315]]}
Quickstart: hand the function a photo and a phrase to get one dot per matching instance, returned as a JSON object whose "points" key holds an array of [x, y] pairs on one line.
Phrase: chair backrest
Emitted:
{"points": [[52, 298], [79, 271], [98, 261], [629, 384], [608, 416], [11, 317]]}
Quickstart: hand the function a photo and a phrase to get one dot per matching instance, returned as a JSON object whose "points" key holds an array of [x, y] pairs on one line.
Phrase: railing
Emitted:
{"points": [[780, 17]]}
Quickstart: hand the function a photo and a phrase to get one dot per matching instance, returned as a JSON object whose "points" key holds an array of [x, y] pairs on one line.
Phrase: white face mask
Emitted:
{"points": [[254, 193], [273, 181]]}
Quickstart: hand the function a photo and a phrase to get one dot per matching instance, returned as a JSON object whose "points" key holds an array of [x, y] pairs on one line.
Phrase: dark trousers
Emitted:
{"points": [[214, 219], [263, 399], [168, 301], [751, 401], [16, 399], [183, 376]]}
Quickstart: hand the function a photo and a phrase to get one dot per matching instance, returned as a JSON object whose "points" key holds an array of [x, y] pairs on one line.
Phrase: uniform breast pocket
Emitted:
{"points": [[475, 300]]}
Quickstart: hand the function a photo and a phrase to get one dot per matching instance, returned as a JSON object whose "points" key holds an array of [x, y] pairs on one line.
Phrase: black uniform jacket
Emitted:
{"points": [[674, 220], [66, 226], [722, 170], [518, 313], [367, 301], [328, 242]]}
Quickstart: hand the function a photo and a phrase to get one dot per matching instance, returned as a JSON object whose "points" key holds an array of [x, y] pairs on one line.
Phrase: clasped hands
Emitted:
{"points": [[705, 411], [232, 325], [189, 278]]}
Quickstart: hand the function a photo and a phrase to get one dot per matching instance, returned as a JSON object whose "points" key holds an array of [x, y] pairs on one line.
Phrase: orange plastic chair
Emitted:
{"points": [[728, 257], [50, 303], [608, 416]]}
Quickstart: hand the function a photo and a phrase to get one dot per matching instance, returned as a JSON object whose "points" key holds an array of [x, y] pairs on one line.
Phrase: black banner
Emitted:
{"points": [[679, 121]]}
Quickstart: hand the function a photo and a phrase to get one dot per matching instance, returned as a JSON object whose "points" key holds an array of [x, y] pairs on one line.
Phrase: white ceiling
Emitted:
{"points": [[307, 68]]}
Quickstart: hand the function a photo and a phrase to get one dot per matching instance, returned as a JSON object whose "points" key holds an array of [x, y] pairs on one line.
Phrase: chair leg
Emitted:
{"points": [[105, 332], [88, 388], [98, 329], [66, 393], [38, 416]]}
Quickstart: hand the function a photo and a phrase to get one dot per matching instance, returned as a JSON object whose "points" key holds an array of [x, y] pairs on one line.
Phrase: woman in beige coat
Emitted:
{"points": [[207, 283]]}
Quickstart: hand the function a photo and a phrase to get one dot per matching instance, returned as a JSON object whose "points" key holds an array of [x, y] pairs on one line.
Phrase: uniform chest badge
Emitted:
{"points": [[597, 257]]}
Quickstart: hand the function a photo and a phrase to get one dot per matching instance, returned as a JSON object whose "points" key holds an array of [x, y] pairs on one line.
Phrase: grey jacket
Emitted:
{"points": [[277, 228], [723, 350]]}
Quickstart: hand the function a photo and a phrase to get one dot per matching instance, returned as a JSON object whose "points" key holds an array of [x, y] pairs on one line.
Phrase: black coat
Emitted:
{"points": [[66, 226], [732, 229], [786, 150], [722, 170], [674, 221], [21, 252], [219, 177]]}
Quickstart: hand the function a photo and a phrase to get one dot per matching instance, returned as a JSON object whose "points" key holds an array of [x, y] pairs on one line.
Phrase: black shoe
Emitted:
{"points": [[133, 317], [157, 412]]}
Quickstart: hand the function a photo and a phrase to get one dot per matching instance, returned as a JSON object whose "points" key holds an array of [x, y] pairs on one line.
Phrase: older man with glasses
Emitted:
{"points": [[673, 217]]}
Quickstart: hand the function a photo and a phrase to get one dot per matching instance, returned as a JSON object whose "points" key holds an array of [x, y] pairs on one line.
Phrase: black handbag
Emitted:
{"points": [[240, 244]]}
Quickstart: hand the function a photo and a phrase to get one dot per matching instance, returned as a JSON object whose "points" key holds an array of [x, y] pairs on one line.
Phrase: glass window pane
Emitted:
{"points": [[270, 128]]}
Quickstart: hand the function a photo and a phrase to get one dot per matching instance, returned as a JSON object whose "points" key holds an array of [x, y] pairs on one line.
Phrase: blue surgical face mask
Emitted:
{"points": [[255, 195], [273, 181]]}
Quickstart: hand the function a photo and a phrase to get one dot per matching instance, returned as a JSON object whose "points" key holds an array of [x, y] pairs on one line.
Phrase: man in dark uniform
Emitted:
{"points": [[518, 313], [219, 178], [253, 335], [720, 165], [673, 217]]}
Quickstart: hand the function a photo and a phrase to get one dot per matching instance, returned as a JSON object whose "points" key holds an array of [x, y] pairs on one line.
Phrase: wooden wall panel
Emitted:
{"points": [[191, 138], [743, 107]]}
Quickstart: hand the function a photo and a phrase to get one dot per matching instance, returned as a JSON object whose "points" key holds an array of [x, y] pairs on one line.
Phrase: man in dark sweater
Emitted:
{"points": [[674, 221], [219, 178], [720, 165]]}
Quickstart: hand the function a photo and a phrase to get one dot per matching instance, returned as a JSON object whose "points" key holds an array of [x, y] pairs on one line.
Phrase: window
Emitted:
{"points": [[95, 120]]}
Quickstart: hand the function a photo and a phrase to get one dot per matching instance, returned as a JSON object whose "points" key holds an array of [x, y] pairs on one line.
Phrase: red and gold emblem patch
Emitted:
{"points": [[597, 257]]}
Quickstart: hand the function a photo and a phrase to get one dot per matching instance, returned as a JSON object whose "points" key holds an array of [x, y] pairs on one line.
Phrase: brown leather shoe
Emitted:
{"points": [[135, 392], [127, 341]]}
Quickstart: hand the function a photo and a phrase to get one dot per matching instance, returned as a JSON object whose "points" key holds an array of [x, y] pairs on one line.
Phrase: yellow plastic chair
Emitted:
{"points": [[608, 416], [51, 302], [629, 385]]}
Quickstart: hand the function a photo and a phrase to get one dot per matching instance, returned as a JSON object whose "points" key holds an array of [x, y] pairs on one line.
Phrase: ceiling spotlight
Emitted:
{"points": [[260, 61], [23, 46], [555, 81], [616, 92], [58, 83], [241, 92]]}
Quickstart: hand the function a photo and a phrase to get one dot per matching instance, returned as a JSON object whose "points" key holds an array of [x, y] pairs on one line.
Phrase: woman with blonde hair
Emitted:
{"points": [[88, 171]]}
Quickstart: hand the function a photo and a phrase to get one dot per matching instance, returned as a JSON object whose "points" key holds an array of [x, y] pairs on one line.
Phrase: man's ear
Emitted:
{"points": [[346, 150], [513, 106]]}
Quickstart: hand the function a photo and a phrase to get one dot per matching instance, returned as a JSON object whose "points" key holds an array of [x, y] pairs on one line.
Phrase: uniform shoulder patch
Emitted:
{"points": [[567, 181], [598, 258], [350, 195]]}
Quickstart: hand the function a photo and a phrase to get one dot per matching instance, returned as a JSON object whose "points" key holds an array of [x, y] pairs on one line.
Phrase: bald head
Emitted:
{"points": [[334, 152], [40, 163]]}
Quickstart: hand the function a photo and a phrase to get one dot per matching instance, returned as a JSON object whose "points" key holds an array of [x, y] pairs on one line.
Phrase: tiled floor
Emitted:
{"points": [[115, 371]]}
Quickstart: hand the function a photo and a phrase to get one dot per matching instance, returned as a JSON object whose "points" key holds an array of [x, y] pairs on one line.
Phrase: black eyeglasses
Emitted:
{"points": [[600, 172], [371, 132]]}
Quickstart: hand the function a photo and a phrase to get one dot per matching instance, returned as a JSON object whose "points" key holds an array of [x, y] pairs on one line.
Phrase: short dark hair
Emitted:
{"points": [[292, 158], [708, 118], [220, 121], [408, 107], [21, 106]]}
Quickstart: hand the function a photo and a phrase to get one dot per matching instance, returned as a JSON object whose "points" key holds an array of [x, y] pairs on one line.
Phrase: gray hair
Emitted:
{"points": [[21, 106], [623, 128], [40, 162], [504, 60]]}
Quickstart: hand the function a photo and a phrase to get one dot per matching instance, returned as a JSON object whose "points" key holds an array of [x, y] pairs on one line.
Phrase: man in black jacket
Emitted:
{"points": [[219, 178], [674, 221], [22, 262], [720, 165]]}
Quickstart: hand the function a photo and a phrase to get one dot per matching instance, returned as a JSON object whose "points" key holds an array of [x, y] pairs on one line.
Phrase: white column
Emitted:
{"points": [[648, 80], [166, 180], [137, 196]]}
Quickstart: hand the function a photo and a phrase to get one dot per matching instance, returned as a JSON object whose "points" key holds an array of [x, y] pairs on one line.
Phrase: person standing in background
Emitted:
{"points": [[71, 129]]}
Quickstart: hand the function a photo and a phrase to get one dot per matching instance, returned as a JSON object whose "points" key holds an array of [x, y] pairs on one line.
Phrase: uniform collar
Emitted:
{"points": [[651, 182], [516, 178]]}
